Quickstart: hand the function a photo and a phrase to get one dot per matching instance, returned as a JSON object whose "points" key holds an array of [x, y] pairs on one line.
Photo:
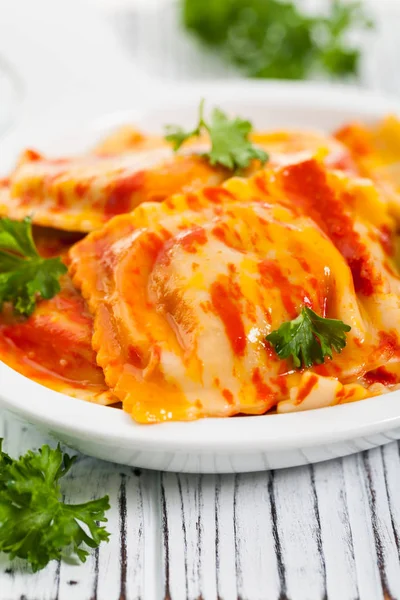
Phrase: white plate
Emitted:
{"points": [[238, 444]]}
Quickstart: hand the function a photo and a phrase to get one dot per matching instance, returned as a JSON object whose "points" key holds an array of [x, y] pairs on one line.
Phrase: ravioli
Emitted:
{"points": [[128, 138], [184, 292], [84, 192], [376, 152], [54, 345], [290, 146], [81, 194]]}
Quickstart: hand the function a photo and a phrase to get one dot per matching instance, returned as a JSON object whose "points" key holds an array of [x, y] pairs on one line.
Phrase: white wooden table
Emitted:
{"points": [[329, 531], [326, 531]]}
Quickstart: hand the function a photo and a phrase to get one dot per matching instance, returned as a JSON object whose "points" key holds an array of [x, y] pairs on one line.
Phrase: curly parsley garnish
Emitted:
{"points": [[25, 276], [34, 522], [309, 338], [230, 144]]}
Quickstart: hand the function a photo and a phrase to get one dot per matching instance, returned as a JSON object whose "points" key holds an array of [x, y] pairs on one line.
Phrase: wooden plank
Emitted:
{"points": [[111, 582], [77, 580], [299, 534], [152, 577], [225, 537], [257, 569], [391, 470], [336, 535], [366, 560], [183, 517], [381, 519]]}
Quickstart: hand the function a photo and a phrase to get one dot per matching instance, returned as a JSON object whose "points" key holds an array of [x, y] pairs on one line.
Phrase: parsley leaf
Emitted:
{"points": [[230, 144], [177, 136], [34, 523], [24, 275], [277, 38], [309, 338]]}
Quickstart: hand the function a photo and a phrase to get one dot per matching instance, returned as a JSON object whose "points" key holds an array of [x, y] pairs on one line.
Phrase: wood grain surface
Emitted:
{"points": [[328, 531]]}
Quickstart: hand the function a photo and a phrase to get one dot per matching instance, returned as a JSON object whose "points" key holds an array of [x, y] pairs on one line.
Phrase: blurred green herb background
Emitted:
{"points": [[277, 39]]}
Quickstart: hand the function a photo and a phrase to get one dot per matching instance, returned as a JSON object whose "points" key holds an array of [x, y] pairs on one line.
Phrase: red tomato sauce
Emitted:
{"points": [[120, 195], [307, 182], [306, 389], [227, 308]]}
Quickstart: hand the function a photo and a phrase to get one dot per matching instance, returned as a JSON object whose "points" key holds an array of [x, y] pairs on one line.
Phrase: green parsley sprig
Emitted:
{"points": [[230, 144], [25, 276], [309, 338], [278, 38], [34, 522]]}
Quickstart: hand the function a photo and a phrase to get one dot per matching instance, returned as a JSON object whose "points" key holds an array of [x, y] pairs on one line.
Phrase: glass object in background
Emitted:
{"points": [[11, 94]]}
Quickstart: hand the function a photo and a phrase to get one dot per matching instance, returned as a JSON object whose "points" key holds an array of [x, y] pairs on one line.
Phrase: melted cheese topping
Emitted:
{"points": [[184, 293], [376, 152], [127, 139], [82, 194], [184, 290], [128, 168]]}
